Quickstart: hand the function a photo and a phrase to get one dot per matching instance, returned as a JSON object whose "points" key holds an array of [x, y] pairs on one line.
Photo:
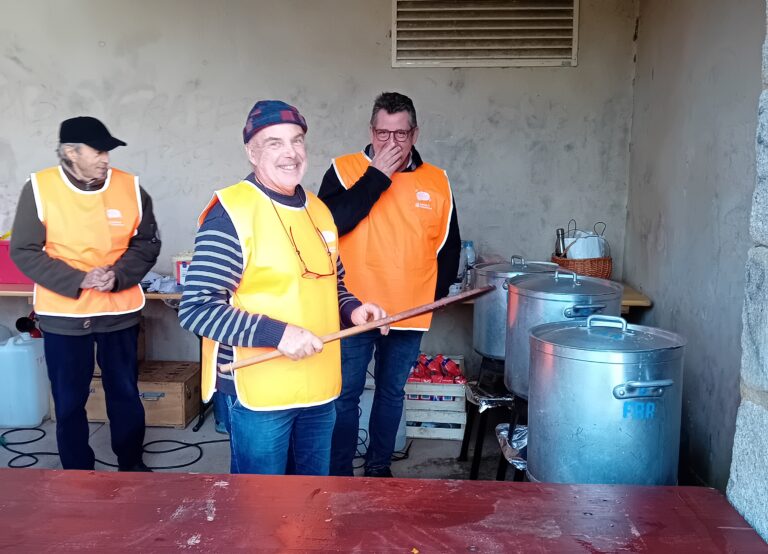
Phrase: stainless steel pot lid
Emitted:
{"points": [[563, 284], [606, 339], [517, 266]]}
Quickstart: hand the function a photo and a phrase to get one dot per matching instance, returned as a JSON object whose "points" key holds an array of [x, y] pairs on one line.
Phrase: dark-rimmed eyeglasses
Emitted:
{"points": [[307, 273], [383, 135]]}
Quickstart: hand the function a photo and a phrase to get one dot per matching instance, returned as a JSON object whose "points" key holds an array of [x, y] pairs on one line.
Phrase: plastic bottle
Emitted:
{"points": [[560, 243], [470, 249], [462, 262]]}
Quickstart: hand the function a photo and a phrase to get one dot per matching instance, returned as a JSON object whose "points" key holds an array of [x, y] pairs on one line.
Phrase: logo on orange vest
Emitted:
{"points": [[423, 200], [115, 217]]}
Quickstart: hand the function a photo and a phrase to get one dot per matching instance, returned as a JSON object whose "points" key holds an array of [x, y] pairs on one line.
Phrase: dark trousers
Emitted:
{"points": [[70, 369], [394, 355]]}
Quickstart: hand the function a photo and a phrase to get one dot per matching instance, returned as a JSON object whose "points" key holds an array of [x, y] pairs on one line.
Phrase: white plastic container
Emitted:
{"points": [[24, 385]]}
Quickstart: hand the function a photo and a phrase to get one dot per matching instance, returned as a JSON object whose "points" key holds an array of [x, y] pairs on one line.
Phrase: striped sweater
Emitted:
{"points": [[214, 275]]}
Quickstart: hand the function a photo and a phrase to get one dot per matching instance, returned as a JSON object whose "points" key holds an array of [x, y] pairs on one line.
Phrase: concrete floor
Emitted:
{"points": [[427, 459]]}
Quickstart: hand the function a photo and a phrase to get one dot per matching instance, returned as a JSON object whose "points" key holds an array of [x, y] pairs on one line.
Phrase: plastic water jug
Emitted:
{"points": [[24, 385]]}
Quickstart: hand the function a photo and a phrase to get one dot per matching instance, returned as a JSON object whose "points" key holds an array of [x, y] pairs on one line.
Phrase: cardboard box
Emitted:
{"points": [[9, 273], [181, 265], [170, 393]]}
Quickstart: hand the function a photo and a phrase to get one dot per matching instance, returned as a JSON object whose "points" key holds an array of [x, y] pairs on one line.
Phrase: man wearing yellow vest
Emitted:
{"points": [[400, 243], [86, 235], [266, 274]]}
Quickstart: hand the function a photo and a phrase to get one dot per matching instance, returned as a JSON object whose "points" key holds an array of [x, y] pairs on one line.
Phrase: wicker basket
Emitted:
{"points": [[591, 267]]}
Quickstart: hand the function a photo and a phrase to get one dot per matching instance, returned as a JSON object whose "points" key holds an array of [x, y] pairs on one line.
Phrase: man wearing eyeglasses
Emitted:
{"points": [[266, 274], [400, 243]]}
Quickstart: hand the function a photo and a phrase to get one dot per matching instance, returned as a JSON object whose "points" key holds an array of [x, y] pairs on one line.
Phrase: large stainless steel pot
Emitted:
{"points": [[605, 402], [489, 332], [546, 298]]}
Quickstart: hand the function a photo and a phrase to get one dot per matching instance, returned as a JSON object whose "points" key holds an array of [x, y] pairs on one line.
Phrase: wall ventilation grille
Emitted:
{"points": [[484, 33]]}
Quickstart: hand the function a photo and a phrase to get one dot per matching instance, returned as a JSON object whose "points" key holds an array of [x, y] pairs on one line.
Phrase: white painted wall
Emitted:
{"points": [[526, 149], [691, 182]]}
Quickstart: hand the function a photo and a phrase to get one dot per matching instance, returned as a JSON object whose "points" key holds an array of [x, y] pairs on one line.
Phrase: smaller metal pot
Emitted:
{"points": [[489, 331], [546, 298]]}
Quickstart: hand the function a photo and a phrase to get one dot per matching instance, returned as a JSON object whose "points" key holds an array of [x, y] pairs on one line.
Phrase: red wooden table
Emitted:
{"points": [[50, 510]]}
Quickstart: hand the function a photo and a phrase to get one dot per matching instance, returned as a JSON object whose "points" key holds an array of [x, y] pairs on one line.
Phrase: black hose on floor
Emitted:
{"points": [[5, 443], [35, 456]]}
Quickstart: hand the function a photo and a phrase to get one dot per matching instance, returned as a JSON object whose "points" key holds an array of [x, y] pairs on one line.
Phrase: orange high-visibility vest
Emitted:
{"points": [[390, 257], [87, 229], [273, 285]]}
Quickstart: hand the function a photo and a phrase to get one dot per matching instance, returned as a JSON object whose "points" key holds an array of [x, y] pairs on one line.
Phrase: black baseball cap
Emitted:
{"points": [[90, 131]]}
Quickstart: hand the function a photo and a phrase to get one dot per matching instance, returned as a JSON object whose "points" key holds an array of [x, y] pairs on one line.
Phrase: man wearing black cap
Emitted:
{"points": [[266, 275], [85, 234]]}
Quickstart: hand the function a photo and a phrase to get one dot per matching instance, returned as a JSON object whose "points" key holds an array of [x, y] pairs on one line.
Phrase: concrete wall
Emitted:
{"points": [[748, 485], [691, 180], [526, 149]]}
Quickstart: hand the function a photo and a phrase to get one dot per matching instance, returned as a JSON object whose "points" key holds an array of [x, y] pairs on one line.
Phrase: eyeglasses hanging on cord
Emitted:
{"points": [[307, 273]]}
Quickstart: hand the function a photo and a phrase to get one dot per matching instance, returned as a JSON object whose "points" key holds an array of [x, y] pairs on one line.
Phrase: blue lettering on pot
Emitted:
{"points": [[639, 410]]}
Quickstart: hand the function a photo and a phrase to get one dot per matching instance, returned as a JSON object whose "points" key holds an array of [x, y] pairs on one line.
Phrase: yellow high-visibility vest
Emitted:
{"points": [[273, 285]]}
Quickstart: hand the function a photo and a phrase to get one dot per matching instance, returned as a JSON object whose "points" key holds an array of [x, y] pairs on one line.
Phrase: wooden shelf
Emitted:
{"points": [[15, 290], [26, 291], [632, 297]]}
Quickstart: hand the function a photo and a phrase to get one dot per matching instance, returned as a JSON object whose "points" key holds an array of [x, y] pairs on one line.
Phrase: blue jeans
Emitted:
{"points": [[263, 441], [70, 369], [394, 356]]}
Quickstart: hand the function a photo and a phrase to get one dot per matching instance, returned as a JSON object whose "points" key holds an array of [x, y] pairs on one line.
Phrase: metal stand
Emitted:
{"points": [[487, 393], [519, 416]]}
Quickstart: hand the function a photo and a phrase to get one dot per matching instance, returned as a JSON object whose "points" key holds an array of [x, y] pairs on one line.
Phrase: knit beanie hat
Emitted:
{"points": [[271, 112]]}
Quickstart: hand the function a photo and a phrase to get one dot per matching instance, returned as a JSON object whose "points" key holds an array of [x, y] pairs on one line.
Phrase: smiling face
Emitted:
{"points": [[278, 156], [88, 164]]}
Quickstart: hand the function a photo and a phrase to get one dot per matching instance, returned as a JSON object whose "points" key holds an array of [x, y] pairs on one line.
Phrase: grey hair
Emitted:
{"points": [[60, 151]]}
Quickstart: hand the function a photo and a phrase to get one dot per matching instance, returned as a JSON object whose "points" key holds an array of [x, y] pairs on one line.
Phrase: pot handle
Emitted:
{"points": [[608, 320], [641, 389], [524, 262], [579, 310], [566, 272]]}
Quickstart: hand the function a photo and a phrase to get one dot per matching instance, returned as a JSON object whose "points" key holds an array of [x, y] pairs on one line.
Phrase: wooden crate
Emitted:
{"points": [[435, 404], [170, 393]]}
